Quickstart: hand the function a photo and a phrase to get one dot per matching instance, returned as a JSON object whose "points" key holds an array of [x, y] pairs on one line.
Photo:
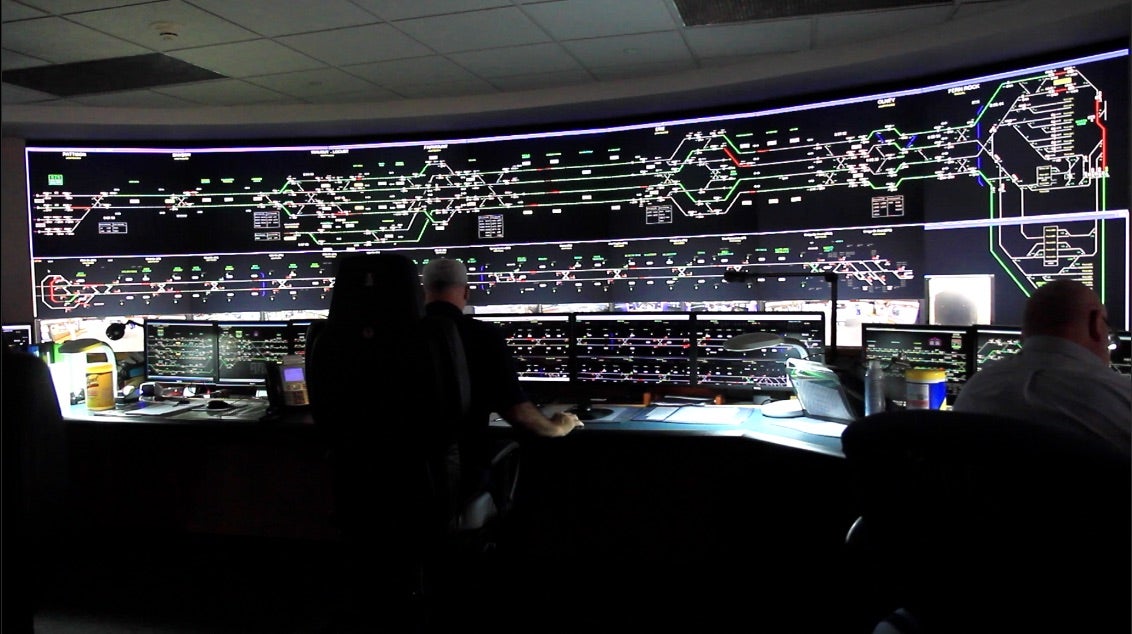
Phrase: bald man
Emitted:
{"points": [[1062, 372]]}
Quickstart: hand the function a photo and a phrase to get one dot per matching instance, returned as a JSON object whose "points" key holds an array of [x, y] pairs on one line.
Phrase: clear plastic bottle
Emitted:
{"points": [[874, 388]]}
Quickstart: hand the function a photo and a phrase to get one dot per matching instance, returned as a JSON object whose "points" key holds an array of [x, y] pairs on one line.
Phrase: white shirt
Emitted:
{"points": [[1053, 379]]}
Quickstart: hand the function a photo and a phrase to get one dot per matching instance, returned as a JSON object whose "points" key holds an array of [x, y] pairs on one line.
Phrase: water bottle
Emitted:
{"points": [[874, 388]]}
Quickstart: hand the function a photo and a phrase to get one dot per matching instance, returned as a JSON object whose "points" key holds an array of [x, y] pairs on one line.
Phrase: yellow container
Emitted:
{"points": [[927, 388], [100, 389]]}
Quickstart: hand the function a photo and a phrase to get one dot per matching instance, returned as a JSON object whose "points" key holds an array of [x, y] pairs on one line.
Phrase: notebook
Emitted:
{"points": [[820, 391]]}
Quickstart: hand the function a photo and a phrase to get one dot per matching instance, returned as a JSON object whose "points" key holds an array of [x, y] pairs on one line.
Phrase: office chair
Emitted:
{"points": [[34, 487], [388, 386], [977, 523]]}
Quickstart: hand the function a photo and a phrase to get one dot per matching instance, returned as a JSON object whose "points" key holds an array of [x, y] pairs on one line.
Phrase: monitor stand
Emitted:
{"points": [[786, 408]]}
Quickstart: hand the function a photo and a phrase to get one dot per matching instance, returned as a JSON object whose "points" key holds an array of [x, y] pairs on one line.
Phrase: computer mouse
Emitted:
{"points": [[585, 410], [216, 404], [129, 394]]}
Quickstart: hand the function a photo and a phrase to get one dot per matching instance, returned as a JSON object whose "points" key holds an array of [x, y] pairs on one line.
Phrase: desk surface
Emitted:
{"points": [[741, 421], [744, 421], [245, 411]]}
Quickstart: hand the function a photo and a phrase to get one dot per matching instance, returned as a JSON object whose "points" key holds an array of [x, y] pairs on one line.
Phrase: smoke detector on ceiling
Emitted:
{"points": [[167, 30]]}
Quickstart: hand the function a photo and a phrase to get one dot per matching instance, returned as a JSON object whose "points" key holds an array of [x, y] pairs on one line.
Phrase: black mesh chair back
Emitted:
{"points": [[388, 387], [35, 487], [978, 523]]}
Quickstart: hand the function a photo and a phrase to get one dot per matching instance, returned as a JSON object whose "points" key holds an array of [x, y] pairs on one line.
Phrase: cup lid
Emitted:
{"points": [[925, 374]]}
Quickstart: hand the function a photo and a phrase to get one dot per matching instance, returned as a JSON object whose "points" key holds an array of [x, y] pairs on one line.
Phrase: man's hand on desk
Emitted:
{"points": [[527, 416], [566, 421]]}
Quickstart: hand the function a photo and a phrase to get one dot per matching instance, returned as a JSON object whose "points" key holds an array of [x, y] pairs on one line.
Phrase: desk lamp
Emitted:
{"points": [[117, 330], [748, 341], [736, 276]]}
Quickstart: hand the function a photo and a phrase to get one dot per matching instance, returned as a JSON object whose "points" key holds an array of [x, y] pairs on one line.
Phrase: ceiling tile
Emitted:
{"points": [[248, 59], [417, 70], [10, 60], [132, 99], [404, 9], [309, 83], [371, 94], [225, 92], [137, 24], [11, 93], [63, 7], [17, 11], [518, 60], [576, 19], [753, 38], [447, 89], [535, 81], [341, 47], [59, 41], [630, 49], [831, 30], [267, 17], [643, 69], [490, 28], [978, 8]]}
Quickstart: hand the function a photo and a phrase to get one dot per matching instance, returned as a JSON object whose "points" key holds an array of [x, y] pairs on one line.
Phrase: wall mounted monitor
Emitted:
{"points": [[539, 344], [960, 300], [1021, 173], [762, 369], [244, 349], [1120, 355], [18, 336], [920, 346], [649, 348], [181, 351]]}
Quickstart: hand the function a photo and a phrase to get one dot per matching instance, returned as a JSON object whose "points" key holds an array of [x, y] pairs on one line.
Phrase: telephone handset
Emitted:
{"points": [[287, 382]]}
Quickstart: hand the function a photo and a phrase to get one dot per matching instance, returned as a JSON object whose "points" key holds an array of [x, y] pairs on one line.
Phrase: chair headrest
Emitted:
{"points": [[379, 288]]}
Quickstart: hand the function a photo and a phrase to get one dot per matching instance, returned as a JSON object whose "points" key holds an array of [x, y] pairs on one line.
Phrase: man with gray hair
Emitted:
{"points": [[1062, 374], [495, 384]]}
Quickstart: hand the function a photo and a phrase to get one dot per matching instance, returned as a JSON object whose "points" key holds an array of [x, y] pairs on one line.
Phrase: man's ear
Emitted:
{"points": [[467, 290], [1098, 327]]}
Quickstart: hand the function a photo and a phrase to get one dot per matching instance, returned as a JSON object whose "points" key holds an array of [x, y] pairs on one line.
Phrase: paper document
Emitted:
{"points": [[709, 415], [163, 408], [818, 428]]}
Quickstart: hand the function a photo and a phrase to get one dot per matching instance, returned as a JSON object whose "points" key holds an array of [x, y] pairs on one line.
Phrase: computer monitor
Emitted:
{"points": [[755, 370], [650, 348], [297, 335], [992, 342], [539, 344], [180, 351], [244, 349], [919, 346], [18, 336], [1121, 353]]}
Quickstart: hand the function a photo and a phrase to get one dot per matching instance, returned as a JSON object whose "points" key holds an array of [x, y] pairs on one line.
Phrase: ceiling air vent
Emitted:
{"points": [[705, 12], [108, 75]]}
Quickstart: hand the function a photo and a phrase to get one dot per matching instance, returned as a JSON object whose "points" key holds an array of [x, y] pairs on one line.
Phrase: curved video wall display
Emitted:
{"points": [[1023, 175]]}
